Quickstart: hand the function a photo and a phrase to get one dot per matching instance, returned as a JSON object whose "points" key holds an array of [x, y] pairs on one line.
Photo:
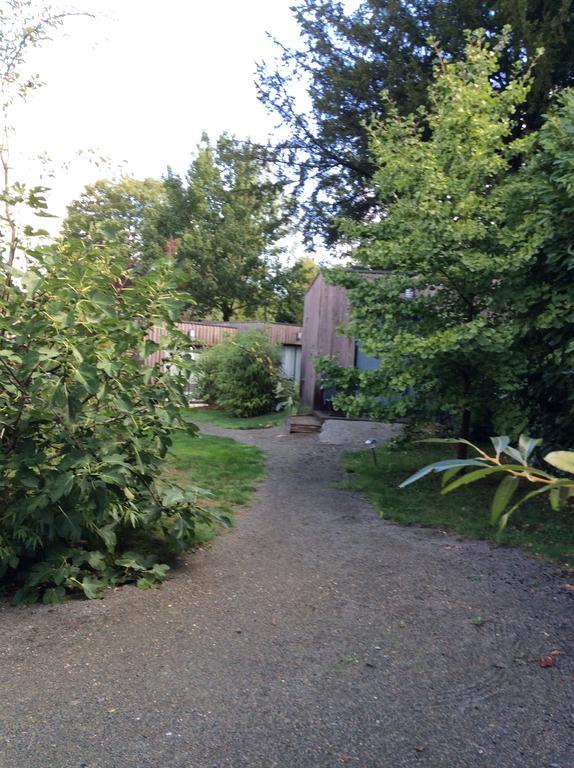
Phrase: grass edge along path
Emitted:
{"points": [[534, 527], [206, 415], [228, 469]]}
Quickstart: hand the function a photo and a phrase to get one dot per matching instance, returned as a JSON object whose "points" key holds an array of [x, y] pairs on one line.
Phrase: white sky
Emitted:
{"points": [[139, 84]]}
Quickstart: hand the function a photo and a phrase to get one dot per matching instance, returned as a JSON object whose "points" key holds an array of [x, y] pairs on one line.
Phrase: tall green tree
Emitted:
{"points": [[122, 212], [226, 221], [346, 59], [290, 284], [540, 199], [435, 314]]}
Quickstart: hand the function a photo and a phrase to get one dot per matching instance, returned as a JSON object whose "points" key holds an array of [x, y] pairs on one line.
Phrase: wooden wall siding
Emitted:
{"points": [[207, 334], [326, 308], [285, 334], [279, 333], [214, 333]]}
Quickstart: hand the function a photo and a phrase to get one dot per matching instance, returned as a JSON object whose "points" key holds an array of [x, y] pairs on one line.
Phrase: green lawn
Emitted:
{"points": [[227, 469], [202, 415], [534, 527]]}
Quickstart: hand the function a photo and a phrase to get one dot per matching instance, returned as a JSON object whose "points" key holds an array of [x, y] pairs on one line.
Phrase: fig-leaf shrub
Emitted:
{"points": [[85, 426], [243, 376], [513, 464]]}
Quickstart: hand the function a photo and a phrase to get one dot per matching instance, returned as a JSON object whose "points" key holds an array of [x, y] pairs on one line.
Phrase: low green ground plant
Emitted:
{"points": [[226, 469]]}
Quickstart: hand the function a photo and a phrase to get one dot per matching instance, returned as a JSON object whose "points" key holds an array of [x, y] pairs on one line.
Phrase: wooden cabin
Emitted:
{"points": [[326, 310]]}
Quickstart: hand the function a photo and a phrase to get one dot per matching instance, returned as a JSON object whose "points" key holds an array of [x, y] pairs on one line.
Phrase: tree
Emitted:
{"points": [[85, 425], [123, 212], [227, 220], [435, 315], [346, 60], [290, 286], [540, 200]]}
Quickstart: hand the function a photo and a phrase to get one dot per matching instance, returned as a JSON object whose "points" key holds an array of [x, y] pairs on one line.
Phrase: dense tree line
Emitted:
{"points": [[224, 224], [346, 60]]}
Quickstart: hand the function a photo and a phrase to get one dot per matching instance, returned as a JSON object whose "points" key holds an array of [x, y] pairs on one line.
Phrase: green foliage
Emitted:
{"points": [[540, 201], [427, 298], [559, 489], [536, 529], [346, 58], [85, 426], [243, 376], [123, 212], [225, 223], [289, 289], [229, 470]]}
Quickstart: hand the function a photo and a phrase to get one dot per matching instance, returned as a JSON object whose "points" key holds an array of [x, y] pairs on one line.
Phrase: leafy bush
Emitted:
{"points": [[483, 465], [243, 376], [85, 426]]}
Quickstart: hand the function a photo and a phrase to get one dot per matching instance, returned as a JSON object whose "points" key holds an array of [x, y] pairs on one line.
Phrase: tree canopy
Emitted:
{"points": [[226, 221], [437, 316], [122, 212], [290, 286], [346, 60], [540, 201]]}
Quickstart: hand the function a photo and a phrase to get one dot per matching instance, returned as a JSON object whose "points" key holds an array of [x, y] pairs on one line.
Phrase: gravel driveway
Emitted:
{"points": [[313, 635]]}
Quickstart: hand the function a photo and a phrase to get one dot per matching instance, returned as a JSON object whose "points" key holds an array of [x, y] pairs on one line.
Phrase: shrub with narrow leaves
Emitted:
{"points": [[513, 463]]}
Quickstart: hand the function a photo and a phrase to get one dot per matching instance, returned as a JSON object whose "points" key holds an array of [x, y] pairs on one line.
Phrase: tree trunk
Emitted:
{"points": [[464, 432]]}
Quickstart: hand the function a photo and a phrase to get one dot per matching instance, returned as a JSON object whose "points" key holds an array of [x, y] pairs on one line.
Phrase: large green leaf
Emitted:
{"points": [[563, 460], [441, 466], [555, 500], [527, 445], [103, 302], [60, 486], [449, 474], [471, 477], [502, 497], [54, 595], [136, 561], [60, 399], [93, 588], [500, 443], [87, 376], [515, 454], [506, 516], [449, 441], [108, 535]]}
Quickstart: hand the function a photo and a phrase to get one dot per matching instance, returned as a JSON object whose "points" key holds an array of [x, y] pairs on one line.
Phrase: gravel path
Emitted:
{"points": [[313, 635]]}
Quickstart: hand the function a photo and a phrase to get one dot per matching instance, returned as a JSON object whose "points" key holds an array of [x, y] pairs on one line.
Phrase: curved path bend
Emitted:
{"points": [[314, 635]]}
